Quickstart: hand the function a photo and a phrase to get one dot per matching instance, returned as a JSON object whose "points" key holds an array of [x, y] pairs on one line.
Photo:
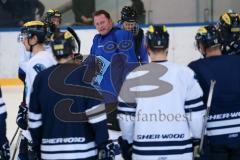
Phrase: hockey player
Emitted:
{"points": [[75, 130], [112, 48], [129, 22], [52, 20], [4, 145], [33, 36], [169, 110], [229, 27], [223, 133]]}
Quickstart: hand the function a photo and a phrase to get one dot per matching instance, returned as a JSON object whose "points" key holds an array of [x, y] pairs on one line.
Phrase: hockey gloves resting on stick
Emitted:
{"points": [[22, 116], [5, 151], [107, 151], [126, 148]]}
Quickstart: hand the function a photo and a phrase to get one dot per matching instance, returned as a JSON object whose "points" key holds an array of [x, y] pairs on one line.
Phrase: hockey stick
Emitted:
{"points": [[14, 136], [17, 144], [209, 101], [77, 56], [76, 37]]}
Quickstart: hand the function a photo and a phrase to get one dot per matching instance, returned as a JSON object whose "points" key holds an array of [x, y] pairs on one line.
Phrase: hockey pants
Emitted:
{"points": [[223, 153]]}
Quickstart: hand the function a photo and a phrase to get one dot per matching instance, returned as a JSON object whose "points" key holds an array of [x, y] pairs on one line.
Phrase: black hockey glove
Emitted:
{"points": [[126, 148], [234, 47], [106, 151], [5, 151], [196, 152], [33, 152], [22, 116]]}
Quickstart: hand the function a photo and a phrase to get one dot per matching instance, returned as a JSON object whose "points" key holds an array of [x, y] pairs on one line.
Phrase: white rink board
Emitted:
{"points": [[181, 49]]}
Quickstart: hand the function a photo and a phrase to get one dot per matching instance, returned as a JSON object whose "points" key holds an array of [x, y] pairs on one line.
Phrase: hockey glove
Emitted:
{"points": [[234, 47], [5, 151], [196, 152], [126, 148], [33, 151], [106, 151], [22, 116]]}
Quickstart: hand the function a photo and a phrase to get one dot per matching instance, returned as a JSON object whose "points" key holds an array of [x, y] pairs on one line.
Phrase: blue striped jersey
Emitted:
{"points": [[223, 125], [65, 119]]}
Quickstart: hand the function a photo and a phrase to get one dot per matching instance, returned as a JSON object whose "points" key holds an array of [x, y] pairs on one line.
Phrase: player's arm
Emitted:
{"points": [[143, 50], [143, 54], [97, 117], [126, 117], [4, 145], [35, 118], [3, 116], [194, 106], [94, 45]]}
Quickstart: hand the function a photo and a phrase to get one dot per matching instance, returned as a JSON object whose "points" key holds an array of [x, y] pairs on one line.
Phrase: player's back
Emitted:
{"points": [[63, 98], [223, 121], [161, 120], [225, 70]]}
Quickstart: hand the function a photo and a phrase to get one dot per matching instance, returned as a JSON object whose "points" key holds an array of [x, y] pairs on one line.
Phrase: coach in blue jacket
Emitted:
{"points": [[114, 53]]}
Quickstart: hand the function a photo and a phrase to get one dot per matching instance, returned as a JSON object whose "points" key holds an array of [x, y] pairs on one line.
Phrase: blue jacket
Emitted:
{"points": [[113, 52]]}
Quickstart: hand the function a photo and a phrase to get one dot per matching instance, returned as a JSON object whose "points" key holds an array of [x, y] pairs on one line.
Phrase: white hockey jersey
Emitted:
{"points": [[168, 112], [36, 64], [24, 57]]}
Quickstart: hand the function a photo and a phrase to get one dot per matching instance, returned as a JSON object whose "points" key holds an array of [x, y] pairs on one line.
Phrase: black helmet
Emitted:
{"points": [[157, 37], [47, 20], [229, 26], [52, 13], [63, 45], [208, 36], [128, 14], [32, 28], [229, 21]]}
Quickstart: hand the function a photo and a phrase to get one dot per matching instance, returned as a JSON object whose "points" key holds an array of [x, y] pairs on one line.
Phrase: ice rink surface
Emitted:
{"points": [[12, 96]]}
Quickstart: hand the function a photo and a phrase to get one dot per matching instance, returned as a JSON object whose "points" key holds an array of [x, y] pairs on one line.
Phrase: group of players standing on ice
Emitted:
{"points": [[69, 105]]}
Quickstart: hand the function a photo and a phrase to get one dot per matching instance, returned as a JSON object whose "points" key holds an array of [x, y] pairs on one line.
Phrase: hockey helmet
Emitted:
{"points": [[128, 14], [32, 28], [229, 25], [208, 37], [64, 45], [51, 26], [230, 21], [157, 37], [52, 13]]}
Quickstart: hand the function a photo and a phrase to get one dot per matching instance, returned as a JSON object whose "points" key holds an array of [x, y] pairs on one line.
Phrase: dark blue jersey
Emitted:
{"points": [[3, 116], [66, 115], [224, 118]]}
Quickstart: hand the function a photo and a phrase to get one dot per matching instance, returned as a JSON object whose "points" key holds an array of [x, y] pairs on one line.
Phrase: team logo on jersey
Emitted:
{"points": [[110, 46], [39, 67], [113, 46], [125, 45]]}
